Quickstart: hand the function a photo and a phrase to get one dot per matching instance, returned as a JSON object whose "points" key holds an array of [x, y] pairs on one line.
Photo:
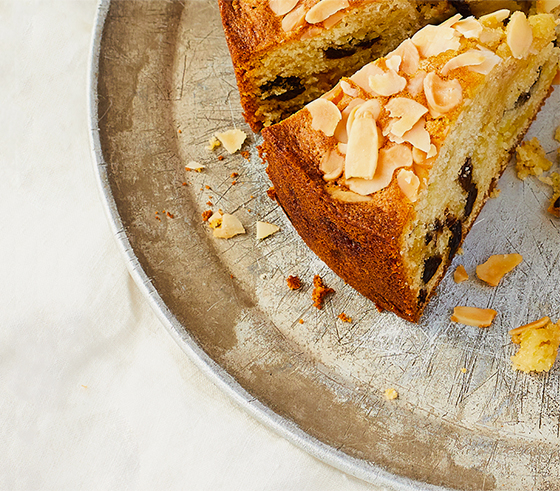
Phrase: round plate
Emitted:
{"points": [[162, 84]]}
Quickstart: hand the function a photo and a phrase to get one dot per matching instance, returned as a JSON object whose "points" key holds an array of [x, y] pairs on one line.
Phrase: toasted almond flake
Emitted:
{"points": [[491, 60], [349, 89], [494, 19], [460, 274], [265, 229], [229, 227], [542, 322], [370, 108], [390, 159], [324, 115], [393, 62], [519, 35], [432, 152], [491, 36], [547, 6], [473, 316], [362, 76], [408, 113], [363, 148], [347, 196], [342, 147], [410, 58], [215, 219], [311, 32], [556, 79], [468, 58], [193, 165], [387, 84], [282, 7], [332, 164], [451, 21], [442, 96], [418, 136], [324, 9], [232, 139], [421, 171], [409, 183], [416, 83], [418, 156], [341, 131], [494, 269], [333, 20], [433, 40], [469, 27], [295, 19]]}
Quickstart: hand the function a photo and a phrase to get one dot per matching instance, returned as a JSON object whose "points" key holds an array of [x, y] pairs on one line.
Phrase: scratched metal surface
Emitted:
{"points": [[162, 84]]}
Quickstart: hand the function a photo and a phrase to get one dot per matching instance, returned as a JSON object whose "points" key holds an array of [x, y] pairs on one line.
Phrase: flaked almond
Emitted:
{"points": [[193, 165], [341, 131], [433, 40], [409, 183], [490, 61], [232, 139], [265, 229], [332, 164], [349, 89], [347, 196], [538, 324], [362, 76], [519, 35], [442, 96], [418, 136], [410, 58], [469, 27], [324, 115], [393, 62], [324, 9], [390, 159], [547, 6], [407, 112], [451, 21], [370, 108], [494, 19], [342, 147], [282, 7], [295, 19], [333, 19], [311, 32], [460, 274], [473, 316], [388, 83], [468, 58], [229, 227], [494, 269], [363, 148], [416, 83]]}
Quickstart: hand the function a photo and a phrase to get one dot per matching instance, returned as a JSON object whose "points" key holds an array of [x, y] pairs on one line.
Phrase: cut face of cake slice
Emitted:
{"points": [[288, 52], [385, 174]]}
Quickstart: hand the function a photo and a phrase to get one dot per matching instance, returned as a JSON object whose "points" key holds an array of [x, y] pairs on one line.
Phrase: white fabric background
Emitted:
{"points": [[94, 393]]}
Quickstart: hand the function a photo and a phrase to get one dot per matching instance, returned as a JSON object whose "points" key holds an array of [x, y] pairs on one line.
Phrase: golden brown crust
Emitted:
{"points": [[360, 242]]}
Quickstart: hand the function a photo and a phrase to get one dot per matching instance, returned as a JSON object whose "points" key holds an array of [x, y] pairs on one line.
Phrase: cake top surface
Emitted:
{"points": [[391, 117]]}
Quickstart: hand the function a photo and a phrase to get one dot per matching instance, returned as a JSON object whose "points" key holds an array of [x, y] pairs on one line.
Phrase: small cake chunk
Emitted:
{"points": [[320, 291], [538, 345], [531, 159]]}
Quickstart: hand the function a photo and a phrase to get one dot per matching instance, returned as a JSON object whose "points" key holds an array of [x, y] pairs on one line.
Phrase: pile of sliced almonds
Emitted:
{"points": [[379, 117], [296, 13]]}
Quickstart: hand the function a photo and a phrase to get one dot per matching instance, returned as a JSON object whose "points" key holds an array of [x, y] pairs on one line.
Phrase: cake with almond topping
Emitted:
{"points": [[288, 52], [384, 175]]}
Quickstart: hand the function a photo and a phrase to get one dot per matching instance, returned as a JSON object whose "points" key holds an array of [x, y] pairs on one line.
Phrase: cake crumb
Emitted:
{"points": [[320, 291], [531, 159], [232, 139], [206, 215], [344, 318], [213, 144], [294, 283], [271, 192], [301, 321], [245, 155], [494, 193], [391, 394], [538, 345], [463, 370], [460, 274], [220, 158], [233, 175], [557, 134]]}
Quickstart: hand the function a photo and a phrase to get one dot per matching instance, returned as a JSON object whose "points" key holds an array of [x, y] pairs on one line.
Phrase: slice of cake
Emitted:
{"points": [[288, 52], [384, 175]]}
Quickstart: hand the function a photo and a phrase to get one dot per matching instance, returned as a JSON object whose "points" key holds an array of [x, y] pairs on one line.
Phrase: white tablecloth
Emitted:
{"points": [[94, 393]]}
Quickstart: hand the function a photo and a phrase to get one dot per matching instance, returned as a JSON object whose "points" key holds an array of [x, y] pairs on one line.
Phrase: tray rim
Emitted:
{"points": [[359, 468]]}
